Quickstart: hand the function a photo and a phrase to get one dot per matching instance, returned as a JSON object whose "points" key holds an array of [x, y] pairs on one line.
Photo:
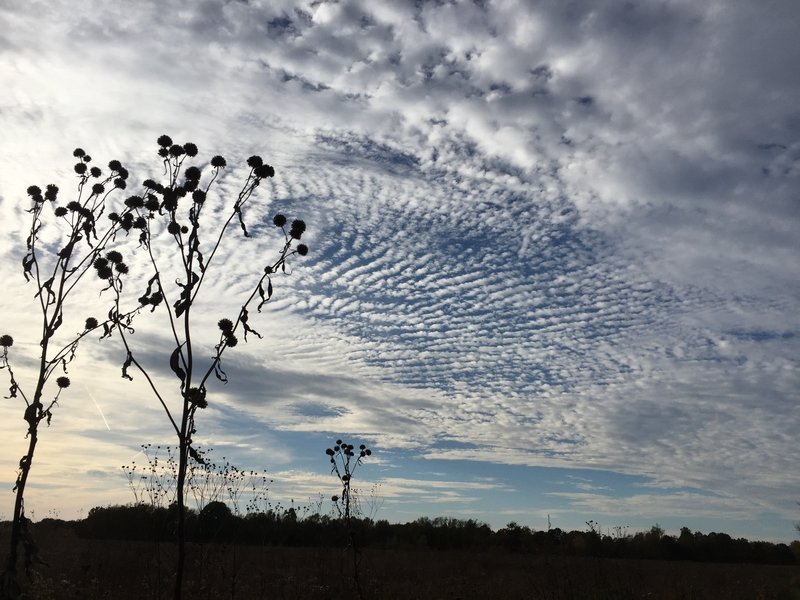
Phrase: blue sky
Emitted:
{"points": [[554, 249]]}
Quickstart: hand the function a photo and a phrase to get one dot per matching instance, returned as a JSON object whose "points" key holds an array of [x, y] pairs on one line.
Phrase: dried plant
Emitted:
{"points": [[170, 214], [154, 482], [65, 242], [165, 219], [345, 460]]}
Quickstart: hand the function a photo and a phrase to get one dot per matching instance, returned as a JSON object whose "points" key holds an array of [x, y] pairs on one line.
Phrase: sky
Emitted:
{"points": [[553, 267]]}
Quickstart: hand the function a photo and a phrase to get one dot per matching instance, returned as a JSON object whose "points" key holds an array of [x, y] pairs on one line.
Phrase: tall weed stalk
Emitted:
{"points": [[63, 243], [170, 214]]}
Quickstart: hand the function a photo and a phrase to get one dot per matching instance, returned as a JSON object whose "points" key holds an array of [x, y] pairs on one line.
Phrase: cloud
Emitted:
{"points": [[549, 234]]}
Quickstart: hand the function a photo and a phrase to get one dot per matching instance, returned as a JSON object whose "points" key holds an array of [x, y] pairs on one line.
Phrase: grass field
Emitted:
{"points": [[118, 570]]}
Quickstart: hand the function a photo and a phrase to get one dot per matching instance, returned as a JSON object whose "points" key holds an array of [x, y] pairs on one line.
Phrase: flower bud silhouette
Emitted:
{"points": [[264, 171]]}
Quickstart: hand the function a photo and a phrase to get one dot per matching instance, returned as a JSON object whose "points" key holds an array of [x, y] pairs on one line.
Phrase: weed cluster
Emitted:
{"points": [[166, 214]]}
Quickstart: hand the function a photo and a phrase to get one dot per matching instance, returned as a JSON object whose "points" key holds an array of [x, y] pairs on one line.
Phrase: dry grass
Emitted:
{"points": [[97, 569]]}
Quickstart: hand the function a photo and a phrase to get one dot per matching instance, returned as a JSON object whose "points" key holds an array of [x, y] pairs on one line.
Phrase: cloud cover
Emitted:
{"points": [[554, 234]]}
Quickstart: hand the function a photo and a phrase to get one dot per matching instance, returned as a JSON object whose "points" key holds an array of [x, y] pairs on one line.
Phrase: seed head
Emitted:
{"points": [[190, 149], [134, 202], [91, 323], [225, 325], [173, 228], [264, 171], [6, 341], [231, 341], [279, 220], [176, 150], [115, 165], [98, 188], [78, 152], [302, 249], [95, 171], [105, 273], [254, 161], [34, 190], [80, 168], [62, 382], [60, 211], [152, 203], [114, 256], [164, 141], [298, 227], [52, 192], [192, 173], [218, 161], [197, 396]]}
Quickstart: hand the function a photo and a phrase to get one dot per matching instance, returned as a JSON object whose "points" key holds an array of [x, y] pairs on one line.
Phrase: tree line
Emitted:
{"points": [[216, 523]]}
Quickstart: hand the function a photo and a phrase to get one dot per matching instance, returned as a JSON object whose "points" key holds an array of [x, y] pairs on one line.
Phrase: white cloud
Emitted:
{"points": [[565, 234]]}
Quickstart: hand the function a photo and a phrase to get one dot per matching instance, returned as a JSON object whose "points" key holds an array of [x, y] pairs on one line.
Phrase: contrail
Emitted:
{"points": [[98, 407]]}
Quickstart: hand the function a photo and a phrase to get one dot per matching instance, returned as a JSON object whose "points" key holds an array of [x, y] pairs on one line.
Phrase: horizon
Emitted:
{"points": [[553, 267]]}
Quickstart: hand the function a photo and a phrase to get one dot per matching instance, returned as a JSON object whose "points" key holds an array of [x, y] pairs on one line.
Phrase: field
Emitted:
{"points": [[120, 570]]}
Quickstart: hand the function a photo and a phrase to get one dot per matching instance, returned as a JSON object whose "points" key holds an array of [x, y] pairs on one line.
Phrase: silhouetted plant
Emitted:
{"points": [[75, 245], [372, 500], [154, 483], [171, 213], [345, 460]]}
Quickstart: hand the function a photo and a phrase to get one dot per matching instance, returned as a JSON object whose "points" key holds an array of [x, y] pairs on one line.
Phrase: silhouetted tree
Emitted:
{"points": [[216, 522]]}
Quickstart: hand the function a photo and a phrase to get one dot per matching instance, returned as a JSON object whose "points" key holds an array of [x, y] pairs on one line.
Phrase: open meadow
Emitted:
{"points": [[90, 569]]}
